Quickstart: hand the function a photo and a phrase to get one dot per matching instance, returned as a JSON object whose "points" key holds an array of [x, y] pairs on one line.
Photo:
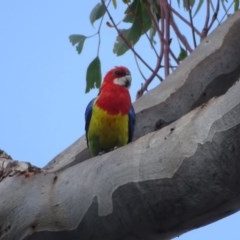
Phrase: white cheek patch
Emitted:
{"points": [[123, 81]]}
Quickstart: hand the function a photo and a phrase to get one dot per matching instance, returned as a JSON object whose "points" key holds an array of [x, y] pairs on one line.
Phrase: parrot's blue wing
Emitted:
{"points": [[88, 115], [131, 123]]}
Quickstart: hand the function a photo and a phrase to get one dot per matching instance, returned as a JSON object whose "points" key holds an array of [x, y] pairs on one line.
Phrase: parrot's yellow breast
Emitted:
{"points": [[107, 131]]}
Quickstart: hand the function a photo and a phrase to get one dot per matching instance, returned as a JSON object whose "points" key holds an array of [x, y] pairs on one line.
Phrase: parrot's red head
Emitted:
{"points": [[119, 75], [114, 96]]}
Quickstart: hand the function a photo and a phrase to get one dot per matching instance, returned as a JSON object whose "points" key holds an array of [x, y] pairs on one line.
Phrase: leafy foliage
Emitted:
{"points": [[94, 75], [188, 4], [236, 5], [198, 7], [182, 55], [136, 14], [97, 12], [114, 2], [77, 39], [158, 22]]}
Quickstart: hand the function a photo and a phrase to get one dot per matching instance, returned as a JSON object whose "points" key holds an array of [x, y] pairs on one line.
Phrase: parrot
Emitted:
{"points": [[110, 117]]}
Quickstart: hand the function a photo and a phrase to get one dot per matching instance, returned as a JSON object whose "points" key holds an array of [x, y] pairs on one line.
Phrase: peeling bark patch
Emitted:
{"points": [[13, 168], [160, 124], [55, 179], [34, 226], [30, 172], [4, 230], [4, 155]]}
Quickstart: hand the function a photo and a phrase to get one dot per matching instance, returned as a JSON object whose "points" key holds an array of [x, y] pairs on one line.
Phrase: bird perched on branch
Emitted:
{"points": [[110, 117]]}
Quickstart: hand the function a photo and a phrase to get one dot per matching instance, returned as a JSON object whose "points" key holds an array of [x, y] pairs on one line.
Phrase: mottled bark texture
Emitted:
{"points": [[181, 171]]}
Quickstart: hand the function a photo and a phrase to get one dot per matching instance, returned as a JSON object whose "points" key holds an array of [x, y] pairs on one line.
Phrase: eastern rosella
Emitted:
{"points": [[110, 117]]}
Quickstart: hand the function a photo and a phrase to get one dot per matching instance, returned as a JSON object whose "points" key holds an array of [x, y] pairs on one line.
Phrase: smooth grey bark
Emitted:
{"points": [[181, 172]]}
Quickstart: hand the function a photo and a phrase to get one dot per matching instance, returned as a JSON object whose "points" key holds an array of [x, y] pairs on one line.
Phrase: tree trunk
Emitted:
{"points": [[181, 171]]}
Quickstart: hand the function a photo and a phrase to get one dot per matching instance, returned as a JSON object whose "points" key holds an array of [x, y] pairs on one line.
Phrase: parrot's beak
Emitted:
{"points": [[124, 81], [127, 81]]}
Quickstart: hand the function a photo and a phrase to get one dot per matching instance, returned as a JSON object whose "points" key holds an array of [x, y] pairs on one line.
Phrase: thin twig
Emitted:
{"points": [[99, 31], [146, 84], [125, 40], [153, 47], [174, 57], [214, 17], [166, 23], [153, 18], [191, 22], [139, 69], [226, 10], [213, 9], [205, 27], [159, 57], [185, 21], [180, 36]]}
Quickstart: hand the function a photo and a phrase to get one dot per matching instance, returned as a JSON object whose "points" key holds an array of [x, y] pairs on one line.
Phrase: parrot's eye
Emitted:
{"points": [[119, 73]]}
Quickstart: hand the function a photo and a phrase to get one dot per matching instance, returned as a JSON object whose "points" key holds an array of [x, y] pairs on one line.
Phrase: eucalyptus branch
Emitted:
{"points": [[214, 17], [168, 40], [213, 9], [205, 28], [155, 25], [153, 47], [153, 75], [147, 82], [174, 57], [161, 39], [144, 86], [159, 56], [226, 11], [224, 8], [180, 36], [185, 21], [166, 23], [139, 68]]}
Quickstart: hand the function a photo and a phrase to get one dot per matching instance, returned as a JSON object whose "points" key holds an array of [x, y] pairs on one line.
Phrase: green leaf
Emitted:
{"points": [[236, 5], [145, 19], [187, 4], [77, 39], [198, 7], [182, 55], [141, 23], [114, 2], [131, 11], [129, 17], [97, 12], [94, 74], [178, 3], [132, 35]]}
